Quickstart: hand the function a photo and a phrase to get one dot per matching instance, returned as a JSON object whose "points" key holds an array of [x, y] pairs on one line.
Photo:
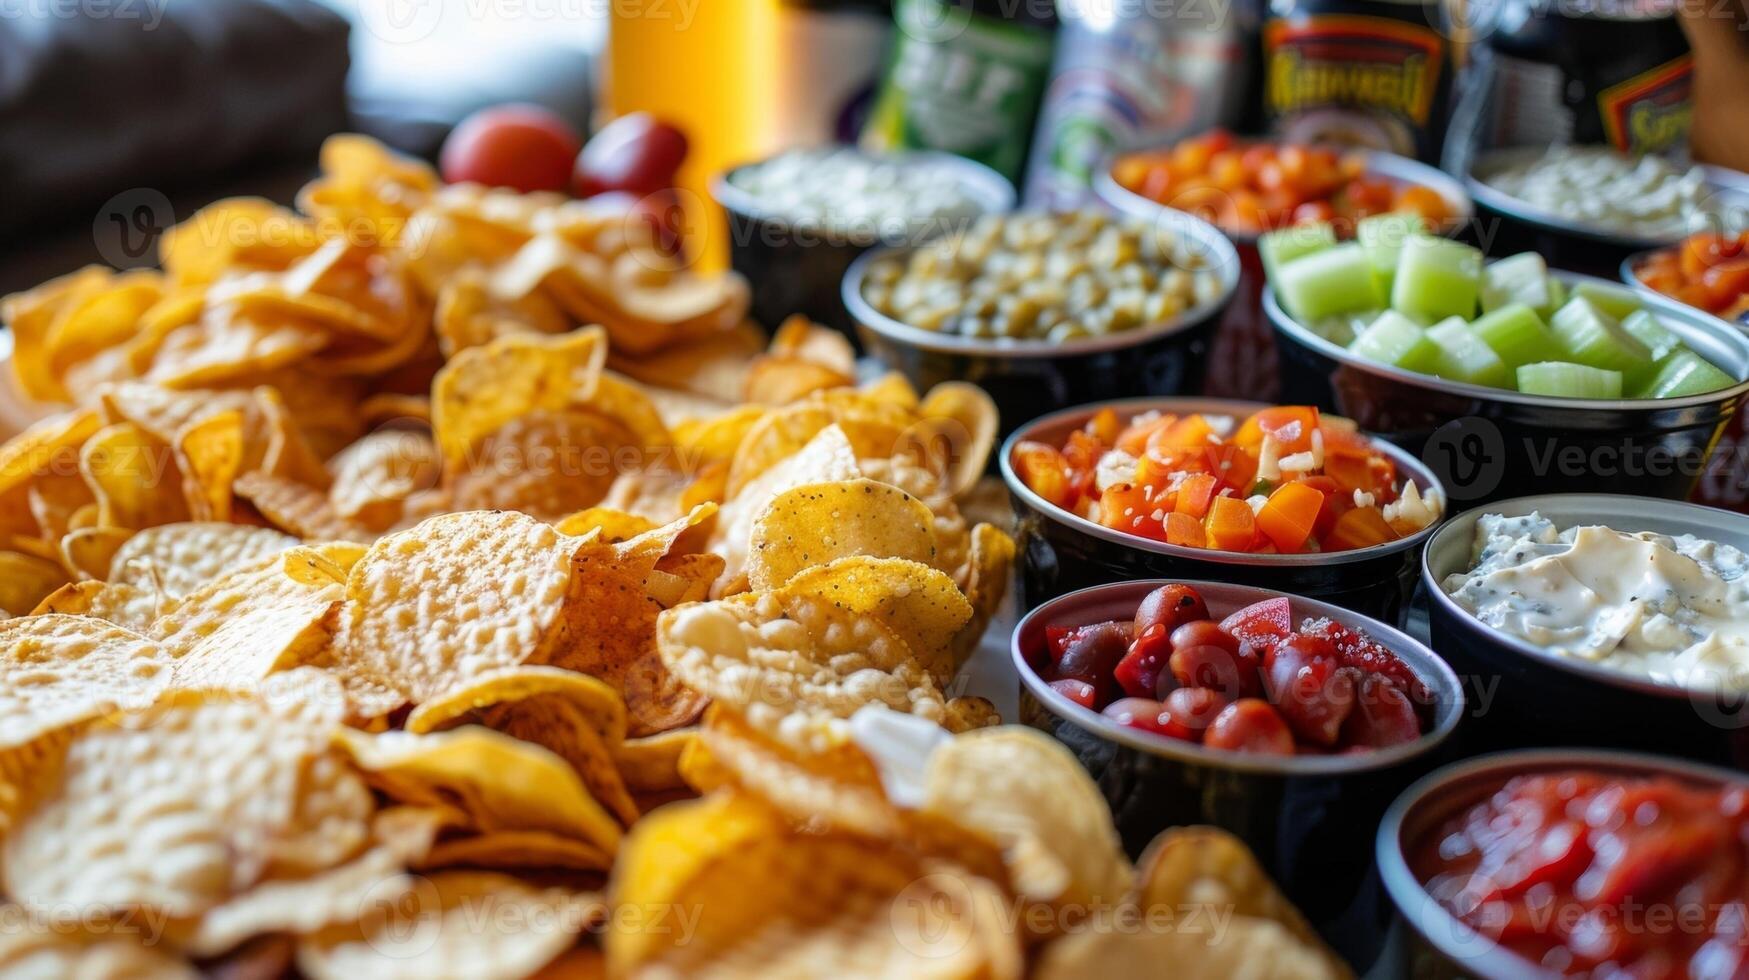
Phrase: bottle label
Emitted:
{"points": [[962, 83], [1651, 111], [1349, 78]]}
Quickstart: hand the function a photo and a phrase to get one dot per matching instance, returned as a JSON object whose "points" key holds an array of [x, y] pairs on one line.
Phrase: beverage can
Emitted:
{"points": [[1131, 74]]}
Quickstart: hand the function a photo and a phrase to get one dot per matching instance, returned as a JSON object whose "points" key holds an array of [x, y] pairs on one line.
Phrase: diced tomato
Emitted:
{"points": [[1138, 673], [1725, 281], [1424, 201], [1261, 623], [1289, 515], [1134, 438], [1230, 525], [1081, 453], [1080, 692], [1189, 432], [1336, 502], [1194, 494], [1361, 527], [1127, 507], [1290, 425], [1185, 530], [1236, 467]]}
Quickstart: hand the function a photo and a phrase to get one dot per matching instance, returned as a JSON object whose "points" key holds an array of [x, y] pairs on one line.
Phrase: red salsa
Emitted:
{"points": [[1251, 682], [1587, 874]]}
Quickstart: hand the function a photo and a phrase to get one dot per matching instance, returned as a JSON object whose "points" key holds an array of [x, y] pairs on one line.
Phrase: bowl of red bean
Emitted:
{"points": [[1290, 722]]}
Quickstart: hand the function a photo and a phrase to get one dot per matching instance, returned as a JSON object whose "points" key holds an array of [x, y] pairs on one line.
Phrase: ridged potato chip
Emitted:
{"points": [[465, 925], [453, 598], [1026, 791], [483, 388], [209, 455], [176, 559], [818, 522]]}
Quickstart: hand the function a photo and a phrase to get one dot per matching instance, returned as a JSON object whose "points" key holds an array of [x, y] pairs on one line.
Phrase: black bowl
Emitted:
{"points": [[1528, 696], [1490, 443], [1242, 353], [1028, 378], [1437, 945], [797, 268], [1508, 224], [1309, 819], [1062, 552]]}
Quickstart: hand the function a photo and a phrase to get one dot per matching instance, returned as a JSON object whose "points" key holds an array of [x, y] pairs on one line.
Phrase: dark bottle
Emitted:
{"points": [[965, 76]]}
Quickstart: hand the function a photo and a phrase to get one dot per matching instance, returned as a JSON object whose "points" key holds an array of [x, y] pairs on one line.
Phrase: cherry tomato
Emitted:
{"points": [[1261, 623], [636, 153], [1204, 655], [1250, 725], [523, 147], [1382, 715], [1092, 653], [1311, 689], [1194, 707], [1080, 692], [1138, 673], [1170, 606], [1149, 716]]}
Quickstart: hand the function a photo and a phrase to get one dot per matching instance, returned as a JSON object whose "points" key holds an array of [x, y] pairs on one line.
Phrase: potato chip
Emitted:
{"points": [[238, 232], [374, 476], [176, 559], [453, 598], [1027, 792], [469, 316], [25, 581], [500, 782], [1209, 866], [49, 447], [466, 925], [386, 408], [984, 580], [577, 716], [782, 380], [684, 578], [345, 286], [297, 508], [228, 344], [714, 366], [817, 522], [957, 432], [215, 797], [164, 413], [838, 788], [133, 478], [31, 315], [483, 388], [801, 338], [826, 457], [101, 319], [89, 552], [609, 630], [209, 454], [658, 495], [613, 525], [546, 464], [795, 666], [651, 763], [874, 429], [50, 951], [920, 605], [826, 905], [54, 499], [1248, 948], [534, 849], [288, 452], [126, 606], [60, 670], [891, 388], [245, 624]]}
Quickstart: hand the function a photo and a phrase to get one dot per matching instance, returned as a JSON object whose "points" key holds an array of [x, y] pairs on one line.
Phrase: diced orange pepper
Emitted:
{"points": [[1157, 469], [1361, 527], [1236, 467], [1336, 503], [1291, 425], [1183, 529], [1104, 426], [1127, 507], [1289, 515], [1190, 432], [1230, 525], [1134, 438], [1195, 493], [1044, 470]]}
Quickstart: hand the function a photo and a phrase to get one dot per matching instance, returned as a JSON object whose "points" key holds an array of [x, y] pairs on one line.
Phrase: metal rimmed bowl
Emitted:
{"points": [[1511, 224], [1533, 697], [1061, 552], [1309, 819], [1028, 378], [1491, 443], [1243, 348], [796, 268], [1439, 946]]}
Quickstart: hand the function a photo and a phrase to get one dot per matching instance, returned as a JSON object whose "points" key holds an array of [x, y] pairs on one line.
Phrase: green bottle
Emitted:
{"points": [[964, 78]]}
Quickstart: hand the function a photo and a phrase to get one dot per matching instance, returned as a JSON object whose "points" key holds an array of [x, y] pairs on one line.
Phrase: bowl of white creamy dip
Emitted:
{"points": [[1597, 619]]}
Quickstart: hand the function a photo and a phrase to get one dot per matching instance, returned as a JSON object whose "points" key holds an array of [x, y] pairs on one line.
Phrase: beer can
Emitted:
{"points": [[1131, 74]]}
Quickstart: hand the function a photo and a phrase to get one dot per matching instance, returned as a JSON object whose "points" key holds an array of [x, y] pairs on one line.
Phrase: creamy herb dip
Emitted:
{"points": [[1673, 609]]}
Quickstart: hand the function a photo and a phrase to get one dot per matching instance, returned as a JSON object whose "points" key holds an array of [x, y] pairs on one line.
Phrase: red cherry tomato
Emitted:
{"points": [[1138, 673], [1149, 716], [1382, 715], [1194, 707], [1311, 689], [1250, 725], [523, 147], [1091, 655], [1204, 655], [1261, 623], [636, 153], [1080, 692], [1170, 606]]}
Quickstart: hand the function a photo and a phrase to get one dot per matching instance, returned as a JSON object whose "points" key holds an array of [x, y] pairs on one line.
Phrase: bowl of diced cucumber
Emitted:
{"points": [[1506, 376]]}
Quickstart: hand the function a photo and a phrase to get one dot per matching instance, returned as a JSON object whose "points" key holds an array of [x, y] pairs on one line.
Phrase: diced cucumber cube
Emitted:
{"points": [[1517, 335], [1335, 280], [1617, 301], [1344, 327], [1591, 336], [1557, 297], [1464, 357], [1651, 331], [1566, 380], [1683, 372], [1437, 277], [1280, 247], [1397, 340], [1522, 278], [1383, 235]]}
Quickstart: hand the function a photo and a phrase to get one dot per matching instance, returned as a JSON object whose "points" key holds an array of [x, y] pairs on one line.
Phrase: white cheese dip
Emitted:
{"points": [[1673, 609]]}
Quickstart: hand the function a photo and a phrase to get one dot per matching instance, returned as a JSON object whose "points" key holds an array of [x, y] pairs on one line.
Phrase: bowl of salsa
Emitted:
{"points": [[1571, 863]]}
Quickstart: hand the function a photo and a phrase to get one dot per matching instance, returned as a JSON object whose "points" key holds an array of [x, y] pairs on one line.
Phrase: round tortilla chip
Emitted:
{"points": [[921, 605], [175, 559], [481, 389], [816, 523], [58, 670], [1249, 948]]}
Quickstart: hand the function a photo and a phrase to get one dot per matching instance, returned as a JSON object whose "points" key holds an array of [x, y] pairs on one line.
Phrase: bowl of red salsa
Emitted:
{"points": [[1290, 722], [1267, 495], [1572, 863]]}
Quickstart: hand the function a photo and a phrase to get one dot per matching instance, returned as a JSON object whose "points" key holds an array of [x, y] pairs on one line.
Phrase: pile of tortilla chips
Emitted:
{"points": [[443, 582]]}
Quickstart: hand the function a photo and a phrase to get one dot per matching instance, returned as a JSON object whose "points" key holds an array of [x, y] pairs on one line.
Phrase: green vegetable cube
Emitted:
{"points": [[1464, 357], [1437, 277], [1383, 235], [1278, 248], [1325, 283], [1397, 340], [1522, 278], [1566, 380], [1683, 372], [1517, 334], [1591, 336], [1617, 301]]}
